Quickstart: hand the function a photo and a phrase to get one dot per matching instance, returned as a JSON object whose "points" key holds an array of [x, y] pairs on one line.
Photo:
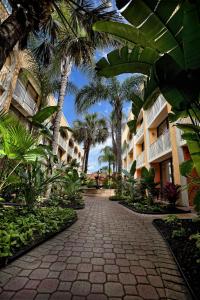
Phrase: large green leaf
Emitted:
{"points": [[186, 167], [127, 61], [133, 168], [44, 114], [191, 35], [160, 22]]}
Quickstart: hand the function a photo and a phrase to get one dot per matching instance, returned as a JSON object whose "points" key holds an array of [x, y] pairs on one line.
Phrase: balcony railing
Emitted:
{"points": [[7, 6], [25, 100], [160, 146], [155, 110], [5, 77], [62, 143], [139, 132], [70, 151], [140, 160]]}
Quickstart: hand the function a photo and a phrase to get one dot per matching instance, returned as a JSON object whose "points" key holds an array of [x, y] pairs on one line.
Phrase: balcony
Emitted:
{"points": [[140, 160], [70, 151], [139, 133], [7, 6], [23, 100], [160, 147], [62, 143], [155, 110], [5, 77]]}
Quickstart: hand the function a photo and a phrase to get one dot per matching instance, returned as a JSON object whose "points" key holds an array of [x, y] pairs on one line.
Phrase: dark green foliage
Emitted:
{"points": [[21, 227]]}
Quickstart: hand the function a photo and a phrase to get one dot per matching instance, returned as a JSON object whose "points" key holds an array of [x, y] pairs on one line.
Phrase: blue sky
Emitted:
{"points": [[104, 109]]}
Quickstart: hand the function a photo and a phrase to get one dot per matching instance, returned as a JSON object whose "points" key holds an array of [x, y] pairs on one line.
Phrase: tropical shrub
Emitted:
{"points": [[171, 193], [148, 184], [22, 227]]}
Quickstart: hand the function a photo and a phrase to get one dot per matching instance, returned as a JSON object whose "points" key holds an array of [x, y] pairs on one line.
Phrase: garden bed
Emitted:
{"points": [[22, 229], [184, 250], [153, 210]]}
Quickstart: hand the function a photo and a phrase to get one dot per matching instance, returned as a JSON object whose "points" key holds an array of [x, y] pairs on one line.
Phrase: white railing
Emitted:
{"points": [[70, 151], [24, 98], [139, 132], [63, 143], [155, 110], [7, 6], [180, 132], [140, 160], [160, 146], [5, 77]]}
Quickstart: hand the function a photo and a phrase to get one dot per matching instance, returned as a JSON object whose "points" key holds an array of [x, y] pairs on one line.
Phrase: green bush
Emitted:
{"points": [[178, 233], [20, 227], [172, 220]]}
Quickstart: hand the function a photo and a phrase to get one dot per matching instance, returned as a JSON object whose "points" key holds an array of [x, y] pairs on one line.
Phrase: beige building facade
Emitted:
{"points": [[158, 144], [22, 97]]}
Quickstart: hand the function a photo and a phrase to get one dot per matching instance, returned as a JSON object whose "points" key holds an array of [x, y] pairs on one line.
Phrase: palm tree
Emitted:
{"points": [[107, 156], [38, 17], [90, 131], [117, 94], [77, 46]]}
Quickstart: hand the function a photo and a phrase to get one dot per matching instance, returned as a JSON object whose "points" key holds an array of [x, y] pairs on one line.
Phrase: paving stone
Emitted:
{"points": [[4, 277], [147, 291], [176, 295], [97, 297], [98, 261], [130, 289], [32, 284], [97, 277], [48, 285], [53, 274], [122, 262], [132, 298], [74, 260], [64, 286], [113, 289], [58, 266], [111, 269], [24, 273], [127, 278], [61, 296], [42, 297], [25, 294], [97, 288], [97, 268], [39, 274], [68, 275], [112, 277], [16, 283], [83, 276], [84, 267], [155, 281], [81, 288], [136, 270], [50, 258], [6, 295]]}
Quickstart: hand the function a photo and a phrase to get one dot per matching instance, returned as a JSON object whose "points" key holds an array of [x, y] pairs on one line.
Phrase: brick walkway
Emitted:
{"points": [[110, 253]]}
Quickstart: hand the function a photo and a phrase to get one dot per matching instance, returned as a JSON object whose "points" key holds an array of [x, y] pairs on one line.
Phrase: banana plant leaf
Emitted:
{"points": [[127, 61]]}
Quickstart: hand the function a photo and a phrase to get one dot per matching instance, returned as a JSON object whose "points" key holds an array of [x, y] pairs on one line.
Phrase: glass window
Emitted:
{"points": [[163, 127]]}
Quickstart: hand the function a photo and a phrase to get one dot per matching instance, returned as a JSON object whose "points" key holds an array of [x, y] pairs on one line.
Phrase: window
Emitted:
{"points": [[142, 146], [166, 171], [163, 127]]}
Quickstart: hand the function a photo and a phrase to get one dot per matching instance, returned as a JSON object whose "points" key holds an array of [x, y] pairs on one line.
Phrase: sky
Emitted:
{"points": [[103, 109]]}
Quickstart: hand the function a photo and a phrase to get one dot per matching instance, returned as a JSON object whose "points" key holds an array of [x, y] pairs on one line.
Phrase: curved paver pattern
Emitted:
{"points": [[109, 253]]}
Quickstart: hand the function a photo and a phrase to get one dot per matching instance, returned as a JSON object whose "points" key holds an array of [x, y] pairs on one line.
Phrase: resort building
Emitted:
{"points": [[158, 144], [20, 95]]}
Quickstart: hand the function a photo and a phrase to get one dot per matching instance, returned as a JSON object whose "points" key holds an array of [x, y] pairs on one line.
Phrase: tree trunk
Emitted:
{"points": [[63, 86], [118, 110], [109, 168], [86, 159], [14, 29]]}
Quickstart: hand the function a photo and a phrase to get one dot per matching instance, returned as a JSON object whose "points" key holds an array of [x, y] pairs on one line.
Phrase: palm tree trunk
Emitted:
{"points": [[14, 29], [109, 168], [86, 159], [118, 110], [63, 86]]}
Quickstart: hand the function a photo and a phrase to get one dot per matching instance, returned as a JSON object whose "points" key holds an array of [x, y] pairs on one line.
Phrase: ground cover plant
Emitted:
{"points": [[21, 228], [183, 237]]}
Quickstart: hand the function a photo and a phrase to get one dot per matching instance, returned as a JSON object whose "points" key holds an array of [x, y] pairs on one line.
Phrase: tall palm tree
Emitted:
{"points": [[77, 46], [90, 131], [107, 156], [38, 17], [117, 94]]}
